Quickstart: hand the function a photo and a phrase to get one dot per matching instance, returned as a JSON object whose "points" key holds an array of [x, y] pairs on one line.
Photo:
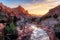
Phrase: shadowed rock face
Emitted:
{"points": [[54, 11], [3, 15], [52, 18], [19, 13]]}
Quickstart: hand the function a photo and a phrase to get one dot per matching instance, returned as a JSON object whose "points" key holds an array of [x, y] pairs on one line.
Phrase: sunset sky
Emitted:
{"points": [[37, 7]]}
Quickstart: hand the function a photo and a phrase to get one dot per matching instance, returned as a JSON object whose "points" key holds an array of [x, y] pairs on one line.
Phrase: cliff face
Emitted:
{"points": [[13, 11], [52, 17], [18, 12], [54, 11]]}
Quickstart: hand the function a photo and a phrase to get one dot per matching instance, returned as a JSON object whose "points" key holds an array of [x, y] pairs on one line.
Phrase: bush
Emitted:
{"points": [[11, 31]]}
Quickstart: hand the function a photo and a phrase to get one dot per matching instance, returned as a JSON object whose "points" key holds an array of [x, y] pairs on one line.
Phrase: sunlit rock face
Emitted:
{"points": [[39, 34]]}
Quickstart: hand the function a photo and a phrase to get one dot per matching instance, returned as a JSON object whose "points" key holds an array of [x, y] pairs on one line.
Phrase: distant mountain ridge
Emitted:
{"points": [[52, 18], [14, 11], [53, 11]]}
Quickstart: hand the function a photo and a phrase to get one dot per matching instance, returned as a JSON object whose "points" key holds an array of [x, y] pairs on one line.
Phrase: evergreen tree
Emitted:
{"points": [[10, 32]]}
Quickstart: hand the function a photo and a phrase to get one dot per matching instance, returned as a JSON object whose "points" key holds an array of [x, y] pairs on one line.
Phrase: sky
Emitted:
{"points": [[34, 7]]}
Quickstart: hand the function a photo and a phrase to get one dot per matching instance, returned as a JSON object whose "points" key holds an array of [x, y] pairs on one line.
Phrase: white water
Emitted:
{"points": [[38, 34]]}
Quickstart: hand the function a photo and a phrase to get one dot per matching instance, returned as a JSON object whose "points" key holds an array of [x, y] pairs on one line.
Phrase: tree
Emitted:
{"points": [[55, 15], [57, 30], [10, 32]]}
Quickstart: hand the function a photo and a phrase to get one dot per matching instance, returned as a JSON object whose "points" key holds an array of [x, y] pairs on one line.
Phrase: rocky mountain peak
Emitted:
{"points": [[13, 11], [53, 12]]}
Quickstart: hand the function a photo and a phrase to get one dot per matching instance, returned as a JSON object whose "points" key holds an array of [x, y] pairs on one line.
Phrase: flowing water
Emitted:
{"points": [[38, 34]]}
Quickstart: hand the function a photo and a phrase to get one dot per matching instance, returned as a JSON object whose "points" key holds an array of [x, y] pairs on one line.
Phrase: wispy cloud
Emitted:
{"points": [[41, 7], [38, 7]]}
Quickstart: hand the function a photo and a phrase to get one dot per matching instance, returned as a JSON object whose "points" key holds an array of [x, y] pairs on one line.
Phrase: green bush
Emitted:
{"points": [[11, 31]]}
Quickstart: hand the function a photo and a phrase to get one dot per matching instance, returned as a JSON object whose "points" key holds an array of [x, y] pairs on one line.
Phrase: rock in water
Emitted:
{"points": [[39, 34]]}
